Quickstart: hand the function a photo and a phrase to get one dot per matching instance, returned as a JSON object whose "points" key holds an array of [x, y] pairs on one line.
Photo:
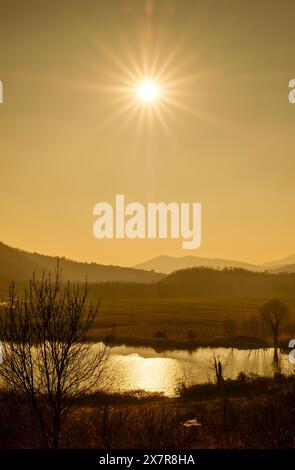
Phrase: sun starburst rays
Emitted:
{"points": [[141, 82]]}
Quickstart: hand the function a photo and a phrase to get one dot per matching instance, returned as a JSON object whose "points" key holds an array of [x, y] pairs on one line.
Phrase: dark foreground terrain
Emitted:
{"points": [[250, 412]]}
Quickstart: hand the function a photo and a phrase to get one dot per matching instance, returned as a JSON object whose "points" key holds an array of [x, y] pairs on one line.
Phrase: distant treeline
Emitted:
{"points": [[203, 282]]}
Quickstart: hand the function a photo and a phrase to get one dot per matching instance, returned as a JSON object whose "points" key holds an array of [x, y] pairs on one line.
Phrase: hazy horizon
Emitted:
{"points": [[144, 260]]}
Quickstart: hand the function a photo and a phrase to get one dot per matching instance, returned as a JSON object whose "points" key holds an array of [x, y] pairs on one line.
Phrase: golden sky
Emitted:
{"points": [[225, 138]]}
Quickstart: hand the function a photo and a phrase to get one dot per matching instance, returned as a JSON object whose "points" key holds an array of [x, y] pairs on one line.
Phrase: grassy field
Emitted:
{"points": [[186, 322], [190, 308]]}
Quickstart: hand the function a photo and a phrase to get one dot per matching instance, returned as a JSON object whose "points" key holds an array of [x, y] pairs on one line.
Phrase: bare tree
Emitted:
{"points": [[219, 365], [273, 314], [47, 357]]}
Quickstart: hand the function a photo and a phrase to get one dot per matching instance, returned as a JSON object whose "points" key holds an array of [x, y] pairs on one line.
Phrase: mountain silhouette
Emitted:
{"points": [[286, 268], [279, 263], [169, 264], [16, 264]]}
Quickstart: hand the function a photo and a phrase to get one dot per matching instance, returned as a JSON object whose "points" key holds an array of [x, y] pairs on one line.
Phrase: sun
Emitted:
{"points": [[151, 86], [148, 91]]}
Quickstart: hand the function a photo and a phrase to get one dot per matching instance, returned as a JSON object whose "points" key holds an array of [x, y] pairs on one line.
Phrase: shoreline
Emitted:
{"points": [[166, 344]]}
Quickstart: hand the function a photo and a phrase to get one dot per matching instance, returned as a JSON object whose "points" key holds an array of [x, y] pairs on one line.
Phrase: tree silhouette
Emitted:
{"points": [[273, 314], [46, 356]]}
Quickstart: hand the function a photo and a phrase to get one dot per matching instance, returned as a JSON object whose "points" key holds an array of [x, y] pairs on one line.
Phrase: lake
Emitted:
{"points": [[145, 369]]}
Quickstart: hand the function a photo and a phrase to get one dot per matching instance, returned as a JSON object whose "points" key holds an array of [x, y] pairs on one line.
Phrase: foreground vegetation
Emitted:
{"points": [[259, 413]]}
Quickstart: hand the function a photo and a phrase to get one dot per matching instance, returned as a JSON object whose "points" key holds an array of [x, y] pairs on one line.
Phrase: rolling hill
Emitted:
{"points": [[287, 268], [169, 264], [280, 263], [18, 265]]}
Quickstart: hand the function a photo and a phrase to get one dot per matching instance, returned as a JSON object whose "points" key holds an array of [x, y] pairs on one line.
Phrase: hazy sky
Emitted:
{"points": [[227, 140]]}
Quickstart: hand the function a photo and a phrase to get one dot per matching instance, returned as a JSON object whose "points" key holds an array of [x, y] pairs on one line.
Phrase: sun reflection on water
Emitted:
{"points": [[145, 369], [154, 374]]}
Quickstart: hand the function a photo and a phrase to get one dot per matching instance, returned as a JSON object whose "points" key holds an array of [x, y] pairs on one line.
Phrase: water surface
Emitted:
{"points": [[135, 368]]}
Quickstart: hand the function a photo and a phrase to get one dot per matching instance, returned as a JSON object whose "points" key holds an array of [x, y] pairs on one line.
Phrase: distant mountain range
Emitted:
{"points": [[17, 265], [287, 261], [169, 264], [286, 268]]}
